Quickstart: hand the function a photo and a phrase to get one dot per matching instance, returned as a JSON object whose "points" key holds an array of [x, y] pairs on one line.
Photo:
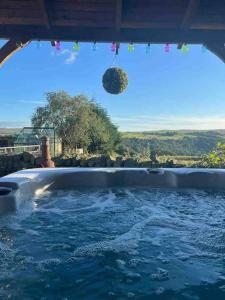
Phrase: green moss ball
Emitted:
{"points": [[115, 80]]}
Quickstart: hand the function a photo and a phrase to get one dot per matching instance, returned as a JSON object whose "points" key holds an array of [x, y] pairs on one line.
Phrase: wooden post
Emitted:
{"points": [[11, 47], [217, 49], [46, 161]]}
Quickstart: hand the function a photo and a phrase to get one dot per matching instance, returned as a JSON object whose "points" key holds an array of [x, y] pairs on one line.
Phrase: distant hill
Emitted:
{"points": [[173, 142], [9, 131], [165, 142]]}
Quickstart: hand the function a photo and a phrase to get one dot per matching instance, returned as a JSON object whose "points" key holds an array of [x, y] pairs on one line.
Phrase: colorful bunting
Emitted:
{"points": [[94, 47], [38, 44], [113, 47], [76, 46], [167, 48], [148, 49], [130, 47], [57, 45], [185, 48], [117, 48]]}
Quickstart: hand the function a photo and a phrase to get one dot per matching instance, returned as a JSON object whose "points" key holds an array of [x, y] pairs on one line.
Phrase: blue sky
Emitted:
{"points": [[166, 91]]}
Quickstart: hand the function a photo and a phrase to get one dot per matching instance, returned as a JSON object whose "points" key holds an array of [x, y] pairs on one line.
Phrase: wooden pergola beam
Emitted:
{"points": [[217, 49], [88, 34], [169, 25], [45, 12], [119, 10], [11, 47], [208, 26], [189, 14]]}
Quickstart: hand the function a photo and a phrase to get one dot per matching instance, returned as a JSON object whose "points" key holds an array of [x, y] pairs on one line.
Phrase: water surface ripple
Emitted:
{"points": [[115, 244]]}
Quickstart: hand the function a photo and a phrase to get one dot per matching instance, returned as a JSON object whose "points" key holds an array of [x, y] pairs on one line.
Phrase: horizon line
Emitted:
{"points": [[147, 130]]}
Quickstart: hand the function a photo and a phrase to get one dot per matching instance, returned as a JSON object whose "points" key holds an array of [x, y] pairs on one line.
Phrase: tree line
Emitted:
{"points": [[82, 122], [78, 122]]}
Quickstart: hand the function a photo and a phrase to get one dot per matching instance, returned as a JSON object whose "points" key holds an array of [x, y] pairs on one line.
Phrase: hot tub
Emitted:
{"points": [[22, 185], [112, 234]]}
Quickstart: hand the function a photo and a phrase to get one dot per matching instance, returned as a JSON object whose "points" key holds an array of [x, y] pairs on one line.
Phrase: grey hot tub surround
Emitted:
{"points": [[23, 185]]}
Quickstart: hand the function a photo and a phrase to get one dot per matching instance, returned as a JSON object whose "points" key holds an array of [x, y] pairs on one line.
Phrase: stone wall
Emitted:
{"points": [[105, 161], [26, 160], [16, 162]]}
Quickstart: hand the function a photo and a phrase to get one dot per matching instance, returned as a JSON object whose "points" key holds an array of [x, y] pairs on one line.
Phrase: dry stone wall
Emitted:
{"points": [[26, 160], [15, 162]]}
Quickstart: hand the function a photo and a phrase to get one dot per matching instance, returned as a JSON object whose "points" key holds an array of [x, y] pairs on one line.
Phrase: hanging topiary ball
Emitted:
{"points": [[115, 80]]}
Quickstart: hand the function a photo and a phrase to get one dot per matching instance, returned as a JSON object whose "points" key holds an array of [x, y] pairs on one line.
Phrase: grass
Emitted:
{"points": [[174, 134], [182, 160], [174, 142]]}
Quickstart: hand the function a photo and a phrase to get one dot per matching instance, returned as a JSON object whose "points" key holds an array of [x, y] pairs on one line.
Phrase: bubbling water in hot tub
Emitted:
{"points": [[116, 243]]}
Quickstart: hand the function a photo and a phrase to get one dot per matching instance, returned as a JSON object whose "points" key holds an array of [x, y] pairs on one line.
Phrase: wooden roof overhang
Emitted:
{"points": [[137, 21]]}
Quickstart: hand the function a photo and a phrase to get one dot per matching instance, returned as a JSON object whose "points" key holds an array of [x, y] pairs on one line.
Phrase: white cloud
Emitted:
{"points": [[146, 122], [70, 56]]}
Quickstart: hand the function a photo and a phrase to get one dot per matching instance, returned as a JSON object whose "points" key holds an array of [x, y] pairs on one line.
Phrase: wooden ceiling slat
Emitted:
{"points": [[84, 2], [84, 7], [153, 19], [211, 12], [20, 21], [132, 6], [109, 35], [136, 3], [155, 9], [150, 25], [17, 4], [212, 19], [211, 4], [208, 26], [82, 23], [20, 13], [152, 14], [82, 15]]}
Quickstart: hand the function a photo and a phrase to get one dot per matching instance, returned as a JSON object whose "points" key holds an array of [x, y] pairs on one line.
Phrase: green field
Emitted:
{"points": [[187, 161], [178, 143], [175, 134]]}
